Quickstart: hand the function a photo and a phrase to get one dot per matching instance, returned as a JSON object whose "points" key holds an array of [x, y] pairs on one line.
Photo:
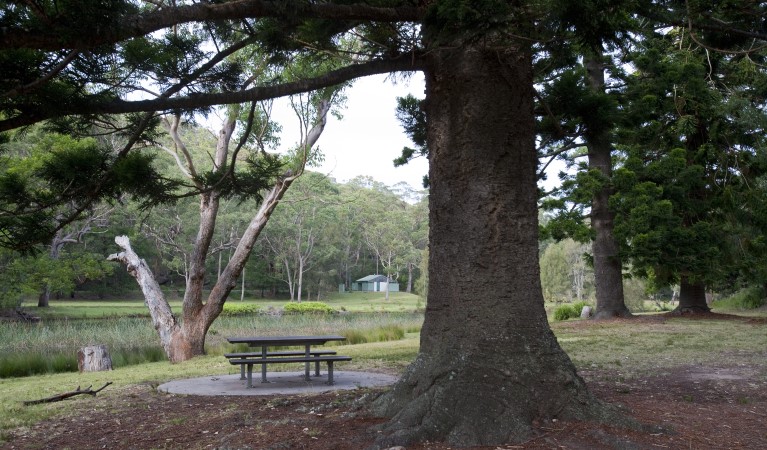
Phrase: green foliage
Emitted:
{"points": [[447, 21], [412, 117], [378, 334], [751, 297], [578, 308], [565, 274], [569, 311], [240, 309], [634, 294], [308, 308], [57, 175], [565, 312], [687, 154]]}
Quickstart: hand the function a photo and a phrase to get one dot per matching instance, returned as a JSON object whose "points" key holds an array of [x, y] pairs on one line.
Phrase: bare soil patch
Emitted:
{"points": [[722, 406]]}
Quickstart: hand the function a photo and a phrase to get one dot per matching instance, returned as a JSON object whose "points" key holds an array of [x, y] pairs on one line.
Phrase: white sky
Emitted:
{"points": [[369, 137]]}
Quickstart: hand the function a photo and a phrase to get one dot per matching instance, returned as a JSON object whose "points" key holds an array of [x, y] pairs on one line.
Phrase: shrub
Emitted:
{"points": [[565, 312], [308, 308], [578, 308], [746, 298], [634, 295], [240, 309]]}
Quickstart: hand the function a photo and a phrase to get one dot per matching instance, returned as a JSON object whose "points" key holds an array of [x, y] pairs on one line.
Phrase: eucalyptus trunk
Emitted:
{"points": [[608, 270], [185, 339], [488, 365]]}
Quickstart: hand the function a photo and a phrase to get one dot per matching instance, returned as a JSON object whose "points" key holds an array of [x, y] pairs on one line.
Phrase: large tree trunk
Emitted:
{"points": [[489, 365], [692, 297], [608, 271]]}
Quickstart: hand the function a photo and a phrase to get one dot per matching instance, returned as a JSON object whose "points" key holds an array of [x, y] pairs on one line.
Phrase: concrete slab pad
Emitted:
{"points": [[279, 383]]}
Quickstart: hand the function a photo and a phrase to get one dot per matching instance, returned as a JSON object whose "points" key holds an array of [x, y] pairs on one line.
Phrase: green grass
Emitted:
{"points": [[393, 356], [626, 349], [351, 302], [642, 348], [746, 300], [51, 346], [378, 341]]}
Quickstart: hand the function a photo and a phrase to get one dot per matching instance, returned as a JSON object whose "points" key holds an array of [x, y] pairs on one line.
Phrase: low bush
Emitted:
{"points": [[565, 312], [578, 308], [308, 308], [571, 311], [240, 309], [746, 298]]}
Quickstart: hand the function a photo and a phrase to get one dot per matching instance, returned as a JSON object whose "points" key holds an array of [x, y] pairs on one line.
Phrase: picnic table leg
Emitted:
{"points": [[330, 373], [242, 371], [316, 368], [250, 375], [263, 366], [306, 364]]}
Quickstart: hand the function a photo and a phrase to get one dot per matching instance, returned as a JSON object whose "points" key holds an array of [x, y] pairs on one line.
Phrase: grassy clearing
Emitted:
{"points": [[644, 348], [390, 356], [627, 349], [351, 302]]}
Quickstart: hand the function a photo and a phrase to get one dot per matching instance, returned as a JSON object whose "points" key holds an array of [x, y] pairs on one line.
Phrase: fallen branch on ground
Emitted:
{"points": [[66, 395]]}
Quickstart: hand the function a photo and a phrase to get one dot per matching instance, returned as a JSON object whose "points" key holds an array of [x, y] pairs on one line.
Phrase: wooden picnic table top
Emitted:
{"points": [[255, 341]]}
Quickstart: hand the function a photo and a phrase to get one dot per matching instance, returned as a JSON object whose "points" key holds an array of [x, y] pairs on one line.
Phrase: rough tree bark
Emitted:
{"points": [[489, 365], [185, 339], [93, 358], [608, 271], [692, 297]]}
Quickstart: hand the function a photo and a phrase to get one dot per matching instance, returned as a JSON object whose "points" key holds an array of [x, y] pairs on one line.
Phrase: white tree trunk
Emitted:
{"points": [[182, 342], [162, 317], [300, 274]]}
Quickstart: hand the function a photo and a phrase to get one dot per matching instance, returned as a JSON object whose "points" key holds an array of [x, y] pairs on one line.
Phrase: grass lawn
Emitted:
{"points": [[393, 356], [623, 348], [352, 302]]}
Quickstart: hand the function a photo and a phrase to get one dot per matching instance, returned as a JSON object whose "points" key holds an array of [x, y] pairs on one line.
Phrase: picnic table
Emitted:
{"points": [[264, 356]]}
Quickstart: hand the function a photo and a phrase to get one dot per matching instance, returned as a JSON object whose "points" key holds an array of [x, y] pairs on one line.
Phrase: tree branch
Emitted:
{"points": [[66, 395], [403, 63], [56, 37]]}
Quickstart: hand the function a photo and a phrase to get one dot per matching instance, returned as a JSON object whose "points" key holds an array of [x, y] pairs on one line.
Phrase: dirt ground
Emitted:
{"points": [[712, 407]]}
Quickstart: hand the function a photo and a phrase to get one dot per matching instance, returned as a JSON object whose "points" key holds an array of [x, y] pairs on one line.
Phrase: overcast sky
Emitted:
{"points": [[369, 137]]}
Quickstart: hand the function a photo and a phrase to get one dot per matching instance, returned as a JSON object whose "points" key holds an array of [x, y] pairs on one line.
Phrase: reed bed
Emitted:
{"points": [[51, 346]]}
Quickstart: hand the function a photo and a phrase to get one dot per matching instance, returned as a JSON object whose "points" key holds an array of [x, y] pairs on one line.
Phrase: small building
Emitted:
{"points": [[375, 283]]}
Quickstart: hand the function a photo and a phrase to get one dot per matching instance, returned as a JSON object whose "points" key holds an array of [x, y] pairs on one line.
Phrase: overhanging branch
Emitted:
{"points": [[55, 37], [402, 64]]}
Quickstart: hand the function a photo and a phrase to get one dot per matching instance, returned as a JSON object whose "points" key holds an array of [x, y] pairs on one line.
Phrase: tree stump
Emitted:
{"points": [[94, 358]]}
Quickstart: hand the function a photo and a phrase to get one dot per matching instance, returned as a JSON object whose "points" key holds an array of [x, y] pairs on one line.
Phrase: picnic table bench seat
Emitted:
{"points": [[315, 353], [279, 353], [249, 362]]}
